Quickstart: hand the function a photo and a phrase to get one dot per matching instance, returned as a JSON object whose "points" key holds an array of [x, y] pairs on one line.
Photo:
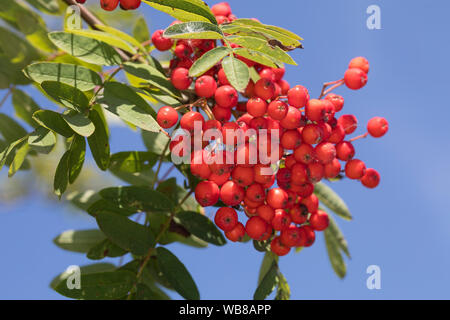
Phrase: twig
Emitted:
{"points": [[8, 93], [359, 137], [336, 84]]}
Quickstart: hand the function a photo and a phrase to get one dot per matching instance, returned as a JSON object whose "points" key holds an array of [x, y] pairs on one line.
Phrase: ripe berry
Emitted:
{"points": [[265, 212], [299, 174], [180, 78], [291, 236], [226, 96], [309, 236], [332, 169], [285, 86], [279, 73], [243, 176], [231, 193], [298, 96], [199, 167], [237, 234], [212, 124], [336, 100], [304, 153], [371, 178], [221, 114], [226, 218], [290, 139], [315, 171], [277, 110], [299, 213], [256, 107], [278, 247], [219, 179], [360, 63], [109, 5], [277, 198], [265, 89], [263, 173], [190, 119], [284, 175], [182, 50], [316, 110], [377, 127], [281, 220], [81, 1], [167, 117], [267, 73], [255, 192], [337, 134], [355, 78], [312, 134], [221, 9], [311, 203], [305, 189], [160, 43], [348, 122], [355, 169], [256, 227], [325, 152], [293, 119], [207, 193], [345, 151], [319, 220], [130, 4], [221, 76], [205, 86]]}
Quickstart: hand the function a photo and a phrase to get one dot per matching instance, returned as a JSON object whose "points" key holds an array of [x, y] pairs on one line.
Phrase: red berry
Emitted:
{"points": [[109, 5], [277, 110], [226, 96], [316, 110], [192, 119], [309, 236], [290, 139], [315, 171], [256, 107], [205, 86], [212, 124], [130, 4], [265, 212], [305, 189], [337, 134], [219, 179], [332, 169], [291, 236], [256, 227], [265, 89], [284, 175], [221, 76], [167, 117], [221, 114], [304, 153], [371, 178], [325, 152], [180, 78], [299, 174], [231, 193], [221, 9], [263, 173], [348, 122], [319, 220], [255, 192], [285, 86], [377, 127], [336, 100], [293, 119], [160, 43], [278, 247], [182, 50], [355, 78], [243, 176], [207, 193], [278, 73], [298, 96], [360, 63], [299, 214], [199, 167], [237, 234], [226, 218], [81, 1], [267, 73], [312, 134], [345, 151], [311, 203], [277, 198], [281, 220], [355, 169]]}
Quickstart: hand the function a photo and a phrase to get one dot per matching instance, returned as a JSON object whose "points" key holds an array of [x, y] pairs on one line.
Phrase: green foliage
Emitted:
{"points": [[332, 200]]}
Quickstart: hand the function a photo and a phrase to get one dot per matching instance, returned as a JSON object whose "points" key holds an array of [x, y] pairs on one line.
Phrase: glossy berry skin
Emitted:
{"points": [[337, 134], [291, 236], [359, 63], [309, 236], [277, 198], [278, 247], [226, 96], [299, 174], [311, 203], [348, 122], [290, 139], [345, 151], [257, 107], [336, 100], [284, 175], [355, 169], [332, 169], [377, 127], [304, 153], [325, 152], [207, 193], [221, 9], [161, 43], [355, 78], [298, 96], [255, 192], [256, 227], [226, 218], [293, 119], [205, 86], [316, 110], [265, 212], [167, 117], [319, 220], [231, 193], [221, 114], [299, 213], [371, 178], [219, 179], [180, 78], [189, 120], [265, 89], [237, 234], [81, 1], [277, 110], [243, 176], [109, 5], [221, 76], [281, 220], [312, 134], [199, 167], [130, 4], [315, 171]]}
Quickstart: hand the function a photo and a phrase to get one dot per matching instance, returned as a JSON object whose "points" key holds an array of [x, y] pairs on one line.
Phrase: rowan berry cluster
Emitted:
{"points": [[110, 5], [311, 144]]}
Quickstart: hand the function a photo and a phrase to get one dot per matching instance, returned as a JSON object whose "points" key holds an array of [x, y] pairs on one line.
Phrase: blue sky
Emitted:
{"points": [[402, 226]]}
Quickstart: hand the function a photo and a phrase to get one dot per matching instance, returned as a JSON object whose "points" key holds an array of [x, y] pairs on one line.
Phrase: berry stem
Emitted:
{"points": [[335, 84], [359, 137]]}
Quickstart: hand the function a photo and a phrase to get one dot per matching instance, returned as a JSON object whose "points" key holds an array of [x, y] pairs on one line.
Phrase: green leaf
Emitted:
{"points": [[67, 95], [79, 123], [54, 121], [19, 159], [332, 200], [177, 274], [155, 142], [91, 268], [152, 76], [127, 234], [263, 47], [208, 60], [143, 292], [86, 49], [104, 206], [193, 30], [268, 283], [61, 180], [42, 140], [140, 30], [107, 37], [266, 264], [122, 35], [184, 10], [83, 199], [177, 193], [253, 22], [100, 286], [99, 141], [254, 75], [10, 129], [334, 254], [79, 240], [201, 226], [129, 106], [4, 155], [132, 161], [255, 56], [237, 73], [336, 234], [103, 249], [73, 75], [76, 157], [24, 106], [141, 198], [283, 290]]}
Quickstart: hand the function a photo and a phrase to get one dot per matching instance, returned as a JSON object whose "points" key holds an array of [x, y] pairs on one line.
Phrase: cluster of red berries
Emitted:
{"points": [[311, 147], [110, 5]]}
